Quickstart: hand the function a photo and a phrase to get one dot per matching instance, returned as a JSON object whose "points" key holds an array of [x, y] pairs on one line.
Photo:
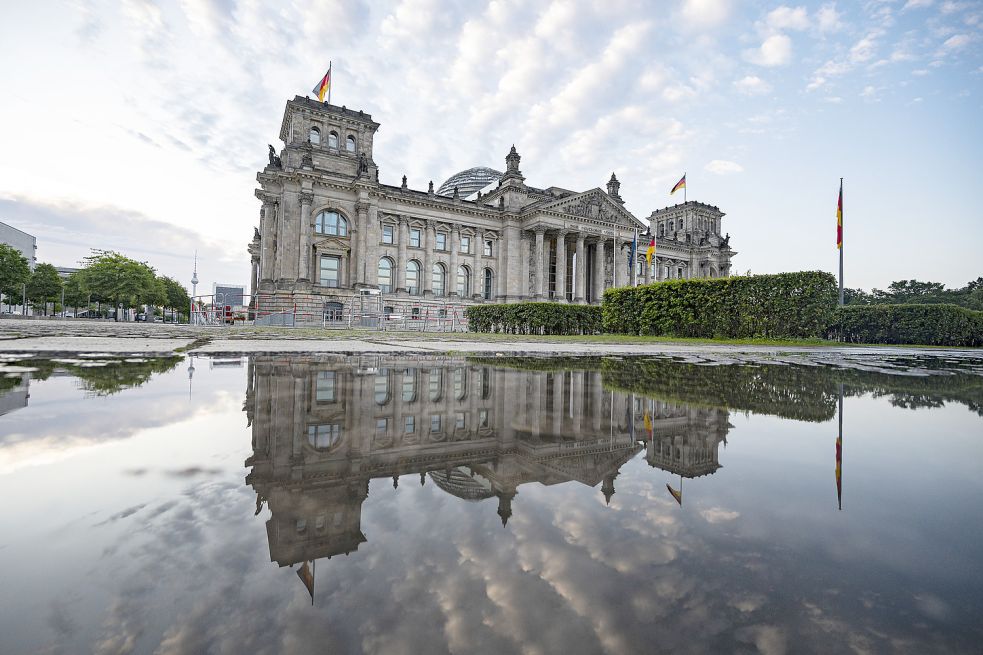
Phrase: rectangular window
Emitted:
{"points": [[330, 265], [326, 391], [409, 425], [482, 418], [415, 237], [460, 420], [487, 251], [382, 425], [441, 241], [680, 272], [388, 234], [465, 245], [435, 423]]}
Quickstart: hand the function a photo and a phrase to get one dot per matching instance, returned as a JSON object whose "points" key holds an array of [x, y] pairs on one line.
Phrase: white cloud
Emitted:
{"points": [[776, 50], [752, 85], [916, 4], [862, 51], [718, 515], [678, 92], [956, 42], [828, 18], [723, 167], [788, 18], [706, 13], [869, 93]]}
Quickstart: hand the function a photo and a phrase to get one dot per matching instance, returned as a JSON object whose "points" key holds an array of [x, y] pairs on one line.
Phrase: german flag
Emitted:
{"points": [[650, 250], [323, 86], [839, 218], [681, 184]]}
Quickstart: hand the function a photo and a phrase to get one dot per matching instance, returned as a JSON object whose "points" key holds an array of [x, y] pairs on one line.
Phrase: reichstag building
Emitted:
{"points": [[330, 232]]}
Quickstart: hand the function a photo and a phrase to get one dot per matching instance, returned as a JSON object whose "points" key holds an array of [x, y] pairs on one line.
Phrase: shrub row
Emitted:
{"points": [[535, 318], [931, 325], [786, 305]]}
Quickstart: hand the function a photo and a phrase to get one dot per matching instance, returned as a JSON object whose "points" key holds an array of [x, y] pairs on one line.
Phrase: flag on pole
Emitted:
{"points": [[681, 184], [839, 218], [650, 251], [631, 253], [678, 495], [304, 573], [839, 471], [323, 87], [648, 424]]}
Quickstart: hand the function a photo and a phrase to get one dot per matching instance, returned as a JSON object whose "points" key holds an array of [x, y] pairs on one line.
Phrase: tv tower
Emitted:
{"points": [[194, 290]]}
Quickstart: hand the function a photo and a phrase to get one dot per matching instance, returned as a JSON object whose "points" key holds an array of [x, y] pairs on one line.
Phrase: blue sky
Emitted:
{"points": [[140, 125]]}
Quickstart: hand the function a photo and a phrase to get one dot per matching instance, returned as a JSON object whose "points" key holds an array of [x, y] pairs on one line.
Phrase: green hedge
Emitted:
{"points": [[786, 305], [535, 318], [930, 325]]}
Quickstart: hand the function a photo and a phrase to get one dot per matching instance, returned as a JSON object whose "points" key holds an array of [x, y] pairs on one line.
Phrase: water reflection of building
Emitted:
{"points": [[15, 397], [322, 429], [685, 440]]}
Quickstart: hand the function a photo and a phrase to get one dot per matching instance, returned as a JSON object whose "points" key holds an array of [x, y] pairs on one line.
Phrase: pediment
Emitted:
{"points": [[331, 243], [594, 205]]}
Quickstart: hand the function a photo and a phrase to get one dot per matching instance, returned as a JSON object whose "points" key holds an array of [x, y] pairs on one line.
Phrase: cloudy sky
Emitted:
{"points": [[139, 126]]}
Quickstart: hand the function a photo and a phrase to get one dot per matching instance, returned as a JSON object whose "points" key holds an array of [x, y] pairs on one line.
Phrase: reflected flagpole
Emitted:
{"points": [[839, 455]]}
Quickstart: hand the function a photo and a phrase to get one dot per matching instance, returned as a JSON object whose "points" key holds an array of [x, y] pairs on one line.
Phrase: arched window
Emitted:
{"points": [[662, 229], [487, 290], [460, 383], [386, 275], [409, 385], [463, 281], [436, 382], [382, 386], [413, 277], [332, 223], [439, 279], [332, 139], [350, 144], [314, 136]]}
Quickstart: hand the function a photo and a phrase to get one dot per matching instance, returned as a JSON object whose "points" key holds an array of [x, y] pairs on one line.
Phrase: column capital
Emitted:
{"points": [[581, 237], [431, 224], [562, 233], [402, 220], [456, 227], [539, 230], [306, 197], [361, 206]]}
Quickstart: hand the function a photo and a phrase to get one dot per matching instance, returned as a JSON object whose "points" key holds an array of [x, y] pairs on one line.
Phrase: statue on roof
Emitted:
{"points": [[274, 158]]}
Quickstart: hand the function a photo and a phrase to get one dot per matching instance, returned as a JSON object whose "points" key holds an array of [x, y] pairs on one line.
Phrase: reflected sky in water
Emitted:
{"points": [[490, 506]]}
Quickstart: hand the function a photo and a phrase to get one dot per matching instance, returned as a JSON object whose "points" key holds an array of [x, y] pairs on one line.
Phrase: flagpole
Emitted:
{"points": [[330, 82], [839, 481], [841, 242], [684, 188]]}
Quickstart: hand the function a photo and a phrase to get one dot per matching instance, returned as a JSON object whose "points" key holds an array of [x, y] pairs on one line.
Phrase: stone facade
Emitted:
{"points": [[330, 231]]}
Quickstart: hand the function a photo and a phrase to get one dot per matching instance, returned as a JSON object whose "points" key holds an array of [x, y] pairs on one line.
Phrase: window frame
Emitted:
{"points": [[323, 225], [385, 288], [389, 234], [337, 271], [440, 241], [416, 237], [351, 145]]}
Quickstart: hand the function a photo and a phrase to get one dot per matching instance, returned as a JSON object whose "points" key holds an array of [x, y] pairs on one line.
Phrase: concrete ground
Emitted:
{"points": [[49, 337]]}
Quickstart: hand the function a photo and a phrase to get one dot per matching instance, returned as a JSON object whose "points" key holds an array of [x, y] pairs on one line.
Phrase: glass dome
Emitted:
{"points": [[469, 181]]}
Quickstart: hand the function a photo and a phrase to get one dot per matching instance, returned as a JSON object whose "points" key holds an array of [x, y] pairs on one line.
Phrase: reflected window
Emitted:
{"points": [[382, 386], [439, 277], [485, 383], [382, 426], [435, 423], [436, 383], [326, 389], [331, 223], [409, 385], [413, 277], [409, 425], [460, 420], [460, 383], [324, 437], [482, 418], [332, 139], [314, 136], [463, 281], [350, 144], [386, 275]]}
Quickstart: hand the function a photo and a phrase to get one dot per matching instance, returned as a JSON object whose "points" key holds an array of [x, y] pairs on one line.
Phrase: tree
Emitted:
{"points": [[14, 271], [177, 295], [76, 291], [119, 279], [44, 285]]}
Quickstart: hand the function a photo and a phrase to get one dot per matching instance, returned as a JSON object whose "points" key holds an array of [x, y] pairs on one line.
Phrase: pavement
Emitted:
{"points": [[51, 337]]}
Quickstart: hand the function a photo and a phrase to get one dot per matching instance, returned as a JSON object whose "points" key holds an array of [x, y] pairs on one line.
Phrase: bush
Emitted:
{"points": [[930, 325], [535, 318], [786, 305]]}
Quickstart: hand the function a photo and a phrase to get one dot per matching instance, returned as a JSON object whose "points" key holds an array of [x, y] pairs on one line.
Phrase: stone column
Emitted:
{"points": [[404, 236], [525, 275], [538, 256], [577, 402], [560, 294], [429, 241], [478, 269], [615, 260], [267, 221], [599, 271], [281, 268], [580, 283], [597, 398], [359, 266], [500, 282], [304, 230], [455, 249], [557, 409]]}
